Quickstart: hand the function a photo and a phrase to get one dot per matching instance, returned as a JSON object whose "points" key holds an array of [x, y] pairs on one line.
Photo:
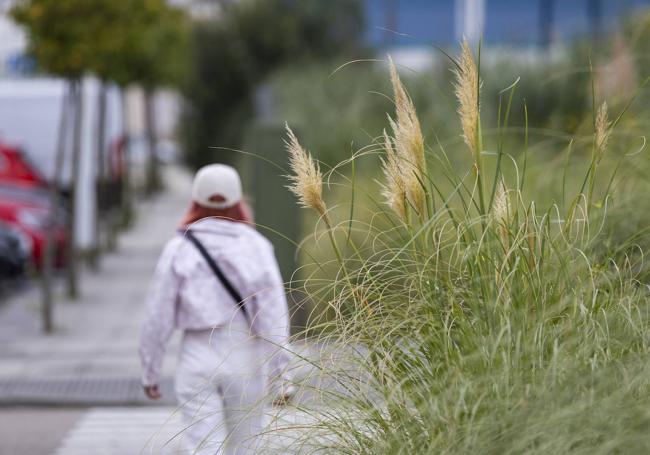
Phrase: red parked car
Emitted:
{"points": [[29, 209], [15, 168]]}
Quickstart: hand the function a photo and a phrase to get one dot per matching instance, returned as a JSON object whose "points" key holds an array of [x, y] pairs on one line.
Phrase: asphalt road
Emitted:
{"points": [[35, 430]]}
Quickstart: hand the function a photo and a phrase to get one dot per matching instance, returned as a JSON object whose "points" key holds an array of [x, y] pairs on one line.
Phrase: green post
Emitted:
{"points": [[276, 212]]}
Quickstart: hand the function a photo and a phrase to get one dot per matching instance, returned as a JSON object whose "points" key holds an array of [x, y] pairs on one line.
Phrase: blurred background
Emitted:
{"points": [[107, 105]]}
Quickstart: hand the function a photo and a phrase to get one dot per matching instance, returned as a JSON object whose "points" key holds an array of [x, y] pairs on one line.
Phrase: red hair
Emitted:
{"points": [[239, 212]]}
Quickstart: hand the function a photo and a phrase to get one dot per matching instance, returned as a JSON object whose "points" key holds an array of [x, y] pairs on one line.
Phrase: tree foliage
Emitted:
{"points": [[234, 53], [149, 44], [125, 41], [61, 34]]}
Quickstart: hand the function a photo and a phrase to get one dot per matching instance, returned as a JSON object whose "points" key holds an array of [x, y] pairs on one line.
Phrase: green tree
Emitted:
{"points": [[125, 41], [140, 42], [151, 52], [61, 35], [234, 53]]}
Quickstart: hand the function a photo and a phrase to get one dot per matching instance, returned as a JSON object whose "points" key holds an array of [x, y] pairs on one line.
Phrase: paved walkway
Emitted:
{"points": [[91, 358], [92, 355], [159, 431], [124, 431]]}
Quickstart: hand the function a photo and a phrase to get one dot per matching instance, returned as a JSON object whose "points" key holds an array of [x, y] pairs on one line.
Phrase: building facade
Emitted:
{"points": [[502, 22]]}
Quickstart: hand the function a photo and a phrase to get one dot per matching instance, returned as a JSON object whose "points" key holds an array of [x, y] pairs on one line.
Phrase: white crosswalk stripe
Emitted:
{"points": [[124, 431], [158, 430]]}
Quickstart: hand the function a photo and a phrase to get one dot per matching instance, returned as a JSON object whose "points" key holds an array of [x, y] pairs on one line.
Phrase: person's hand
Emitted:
{"points": [[284, 398], [152, 392]]}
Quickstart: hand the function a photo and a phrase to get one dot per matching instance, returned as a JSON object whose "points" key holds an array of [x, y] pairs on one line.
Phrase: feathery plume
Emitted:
{"points": [[399, 93], [532, 249], [502, 211], [395, 189], [468, 92], [406, 128], [307, 180], [601, 131], [408, 142]]}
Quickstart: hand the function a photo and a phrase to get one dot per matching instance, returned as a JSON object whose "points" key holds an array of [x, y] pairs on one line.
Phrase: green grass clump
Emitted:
{"points": [[475, 314]]}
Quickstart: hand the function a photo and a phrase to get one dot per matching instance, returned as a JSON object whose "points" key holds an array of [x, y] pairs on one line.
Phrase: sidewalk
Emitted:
{"points": [[91, 358], [159, 431]]}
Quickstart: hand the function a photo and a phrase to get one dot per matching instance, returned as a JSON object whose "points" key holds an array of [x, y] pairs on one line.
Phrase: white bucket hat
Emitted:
{"points": [[216, 186]]}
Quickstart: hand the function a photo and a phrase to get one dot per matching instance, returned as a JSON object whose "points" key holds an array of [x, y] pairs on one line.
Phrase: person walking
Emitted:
{"points": [[218, 281]]}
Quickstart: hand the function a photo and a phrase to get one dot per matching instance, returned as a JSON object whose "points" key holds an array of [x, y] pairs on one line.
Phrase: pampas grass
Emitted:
{"points": [[505, 331], [602, 130], [502, 211], [407, 146], [307, 179], [395, 188], [468, 93], [307, 185]]}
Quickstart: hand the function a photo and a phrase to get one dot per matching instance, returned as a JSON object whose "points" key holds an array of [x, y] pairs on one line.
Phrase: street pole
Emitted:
{"points": [[470, 20], [72, 256], [100, 182], [48, 260], [546, 16], [152, 181]]}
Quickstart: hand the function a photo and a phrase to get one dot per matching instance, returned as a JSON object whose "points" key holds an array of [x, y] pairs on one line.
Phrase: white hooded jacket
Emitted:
{"points": [[185, 293]]}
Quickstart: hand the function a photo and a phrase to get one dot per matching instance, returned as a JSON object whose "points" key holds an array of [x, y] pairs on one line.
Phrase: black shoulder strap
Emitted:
{"points": [[217, 271]]}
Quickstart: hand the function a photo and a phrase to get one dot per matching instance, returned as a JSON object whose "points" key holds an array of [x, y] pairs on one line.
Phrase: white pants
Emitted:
{"points": [[220, 388]]}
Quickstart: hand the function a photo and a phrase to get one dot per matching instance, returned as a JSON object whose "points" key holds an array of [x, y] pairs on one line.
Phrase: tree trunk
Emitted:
{"points": [[72, 266], [100, 181], [47, 265], [152, 184], [125, 163]]}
